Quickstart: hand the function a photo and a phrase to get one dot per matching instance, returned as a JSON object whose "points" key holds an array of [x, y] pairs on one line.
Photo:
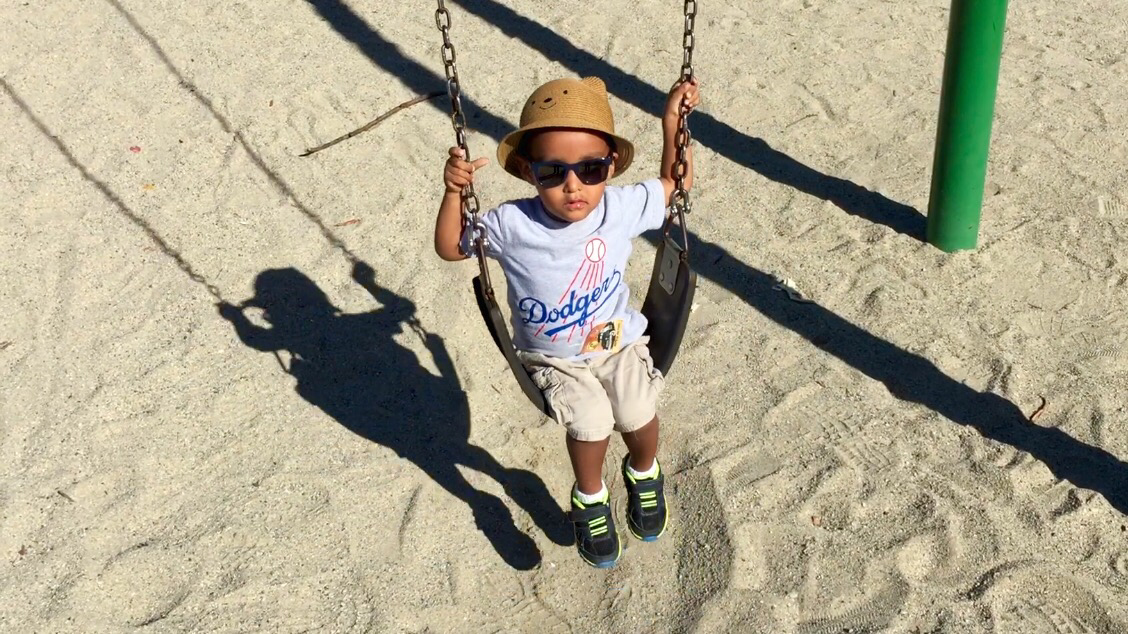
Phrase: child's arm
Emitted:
{"points": [[448, 225], [683, 95], [261, 339]]}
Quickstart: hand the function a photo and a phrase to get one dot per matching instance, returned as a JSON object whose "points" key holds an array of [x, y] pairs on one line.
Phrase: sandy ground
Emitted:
{"points": [[355, 458]]}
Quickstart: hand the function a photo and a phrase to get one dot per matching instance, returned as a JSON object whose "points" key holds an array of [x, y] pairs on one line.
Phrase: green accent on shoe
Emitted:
{"points": [[596, 538], [646, 504]]}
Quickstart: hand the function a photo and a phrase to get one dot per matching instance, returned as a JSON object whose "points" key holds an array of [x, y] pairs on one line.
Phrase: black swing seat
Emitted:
{"points": [[495, 321], [668, 303], [669, 300]]}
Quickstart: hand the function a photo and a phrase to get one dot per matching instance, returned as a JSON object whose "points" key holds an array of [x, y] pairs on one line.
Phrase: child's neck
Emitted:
{"points": [[554, 216]]}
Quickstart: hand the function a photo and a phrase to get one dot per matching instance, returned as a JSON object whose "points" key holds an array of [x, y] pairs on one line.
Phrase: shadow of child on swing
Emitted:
{"points": [[350, 366]]}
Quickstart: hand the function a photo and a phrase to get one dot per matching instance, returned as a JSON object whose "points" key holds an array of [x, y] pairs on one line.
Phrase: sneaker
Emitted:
{"points": [[596, 538], [646, 504]]}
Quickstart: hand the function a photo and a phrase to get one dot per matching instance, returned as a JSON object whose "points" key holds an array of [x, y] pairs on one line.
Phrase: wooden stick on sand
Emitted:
{"points": [[375, 122]]}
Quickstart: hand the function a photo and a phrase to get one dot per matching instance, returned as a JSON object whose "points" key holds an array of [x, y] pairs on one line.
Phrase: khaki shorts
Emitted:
{"points": [[592, 398]]}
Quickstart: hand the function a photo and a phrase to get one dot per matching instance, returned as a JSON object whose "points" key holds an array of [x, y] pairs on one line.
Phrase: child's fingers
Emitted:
{"points": [[687, 94], [455, 152], [457, 172], [458, 163], [692, 96], [460, 173]]}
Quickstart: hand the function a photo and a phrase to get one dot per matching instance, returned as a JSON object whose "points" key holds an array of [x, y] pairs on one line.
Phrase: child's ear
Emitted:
{"points": [[526, 169], [611, 168]]}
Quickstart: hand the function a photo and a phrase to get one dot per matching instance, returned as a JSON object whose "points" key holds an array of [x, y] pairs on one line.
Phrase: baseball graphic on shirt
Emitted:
{"points": [[595, 250]]}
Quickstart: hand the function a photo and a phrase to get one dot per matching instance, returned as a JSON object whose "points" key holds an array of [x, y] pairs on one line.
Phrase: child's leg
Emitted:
{"points": [[596, 538], [642, 444], [579, 402], [633, 385], [589, 423], [587, 463]]}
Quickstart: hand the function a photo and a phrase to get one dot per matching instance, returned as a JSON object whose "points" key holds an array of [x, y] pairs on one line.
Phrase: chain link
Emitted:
{"points": [[471, 208], [687, 38], [680, 198]]}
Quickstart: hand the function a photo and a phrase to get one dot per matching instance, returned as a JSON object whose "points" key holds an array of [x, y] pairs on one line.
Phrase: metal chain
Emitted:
{"points": [[687, 39], [680, 198], [471, 209]]}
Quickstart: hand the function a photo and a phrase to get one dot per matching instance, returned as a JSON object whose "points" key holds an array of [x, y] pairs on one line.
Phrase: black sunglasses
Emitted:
{"points": [[554, 173]]}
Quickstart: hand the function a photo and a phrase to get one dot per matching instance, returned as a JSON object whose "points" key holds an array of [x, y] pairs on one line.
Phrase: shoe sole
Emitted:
{"points": [[604, 564], [651, 538]]}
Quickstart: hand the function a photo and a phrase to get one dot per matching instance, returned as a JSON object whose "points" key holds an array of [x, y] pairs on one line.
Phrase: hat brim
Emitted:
{"points": [[507, 150]]}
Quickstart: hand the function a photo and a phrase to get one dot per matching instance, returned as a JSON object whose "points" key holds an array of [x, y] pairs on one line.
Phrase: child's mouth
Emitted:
{"points": [[574, 205]]}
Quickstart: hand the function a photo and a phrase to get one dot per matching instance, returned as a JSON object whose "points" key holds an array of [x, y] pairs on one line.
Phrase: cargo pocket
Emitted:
{"points": [[657, 381], [549, 383]]}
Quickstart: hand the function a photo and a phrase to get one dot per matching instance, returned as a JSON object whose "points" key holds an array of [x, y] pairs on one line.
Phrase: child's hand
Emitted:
{"points": [[685, 95], [229, 311], [364, 274], [458, 172]]}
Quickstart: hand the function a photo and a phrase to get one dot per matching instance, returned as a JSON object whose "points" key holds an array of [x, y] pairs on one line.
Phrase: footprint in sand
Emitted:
{"points": [[864, 442], [321, 603], [1118, 571], [136, 587], [1031, 599], [517, 597], [1035, 616], [1093, 346], [1100, 352], [1120, 564], [1112, 208]]}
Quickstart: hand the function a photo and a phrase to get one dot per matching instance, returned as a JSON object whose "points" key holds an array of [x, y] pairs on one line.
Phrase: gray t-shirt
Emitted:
{"points": [[567, 291]]}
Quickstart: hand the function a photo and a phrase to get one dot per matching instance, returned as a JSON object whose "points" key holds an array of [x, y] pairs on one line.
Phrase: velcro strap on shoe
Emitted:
{"points": [[646, 486], [590, 513]]}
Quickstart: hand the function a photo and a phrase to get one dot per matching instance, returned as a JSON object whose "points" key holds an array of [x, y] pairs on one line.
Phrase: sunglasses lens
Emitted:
{"points": [[550, 174], [592, 172]]}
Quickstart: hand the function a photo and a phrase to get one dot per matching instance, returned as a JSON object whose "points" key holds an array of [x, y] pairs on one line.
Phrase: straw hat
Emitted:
{"points": [[566, 103]]}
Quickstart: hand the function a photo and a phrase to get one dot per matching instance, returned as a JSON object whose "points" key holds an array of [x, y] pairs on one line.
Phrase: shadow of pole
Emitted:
{"points": [[749, 151], [912, 378], [389, 57]]}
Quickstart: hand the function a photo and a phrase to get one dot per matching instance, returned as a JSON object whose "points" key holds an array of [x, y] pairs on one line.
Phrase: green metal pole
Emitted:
{"points": [[963, 134]]}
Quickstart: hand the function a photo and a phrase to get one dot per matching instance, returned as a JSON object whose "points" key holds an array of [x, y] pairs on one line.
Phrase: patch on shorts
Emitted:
{"points": [[604, 336]]}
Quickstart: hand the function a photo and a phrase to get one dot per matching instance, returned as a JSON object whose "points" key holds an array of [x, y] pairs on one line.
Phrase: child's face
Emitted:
{"points": [[572, 200]]}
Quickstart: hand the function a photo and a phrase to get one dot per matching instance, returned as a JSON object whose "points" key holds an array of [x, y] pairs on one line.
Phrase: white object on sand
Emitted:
{"points": [[787, 285]]}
